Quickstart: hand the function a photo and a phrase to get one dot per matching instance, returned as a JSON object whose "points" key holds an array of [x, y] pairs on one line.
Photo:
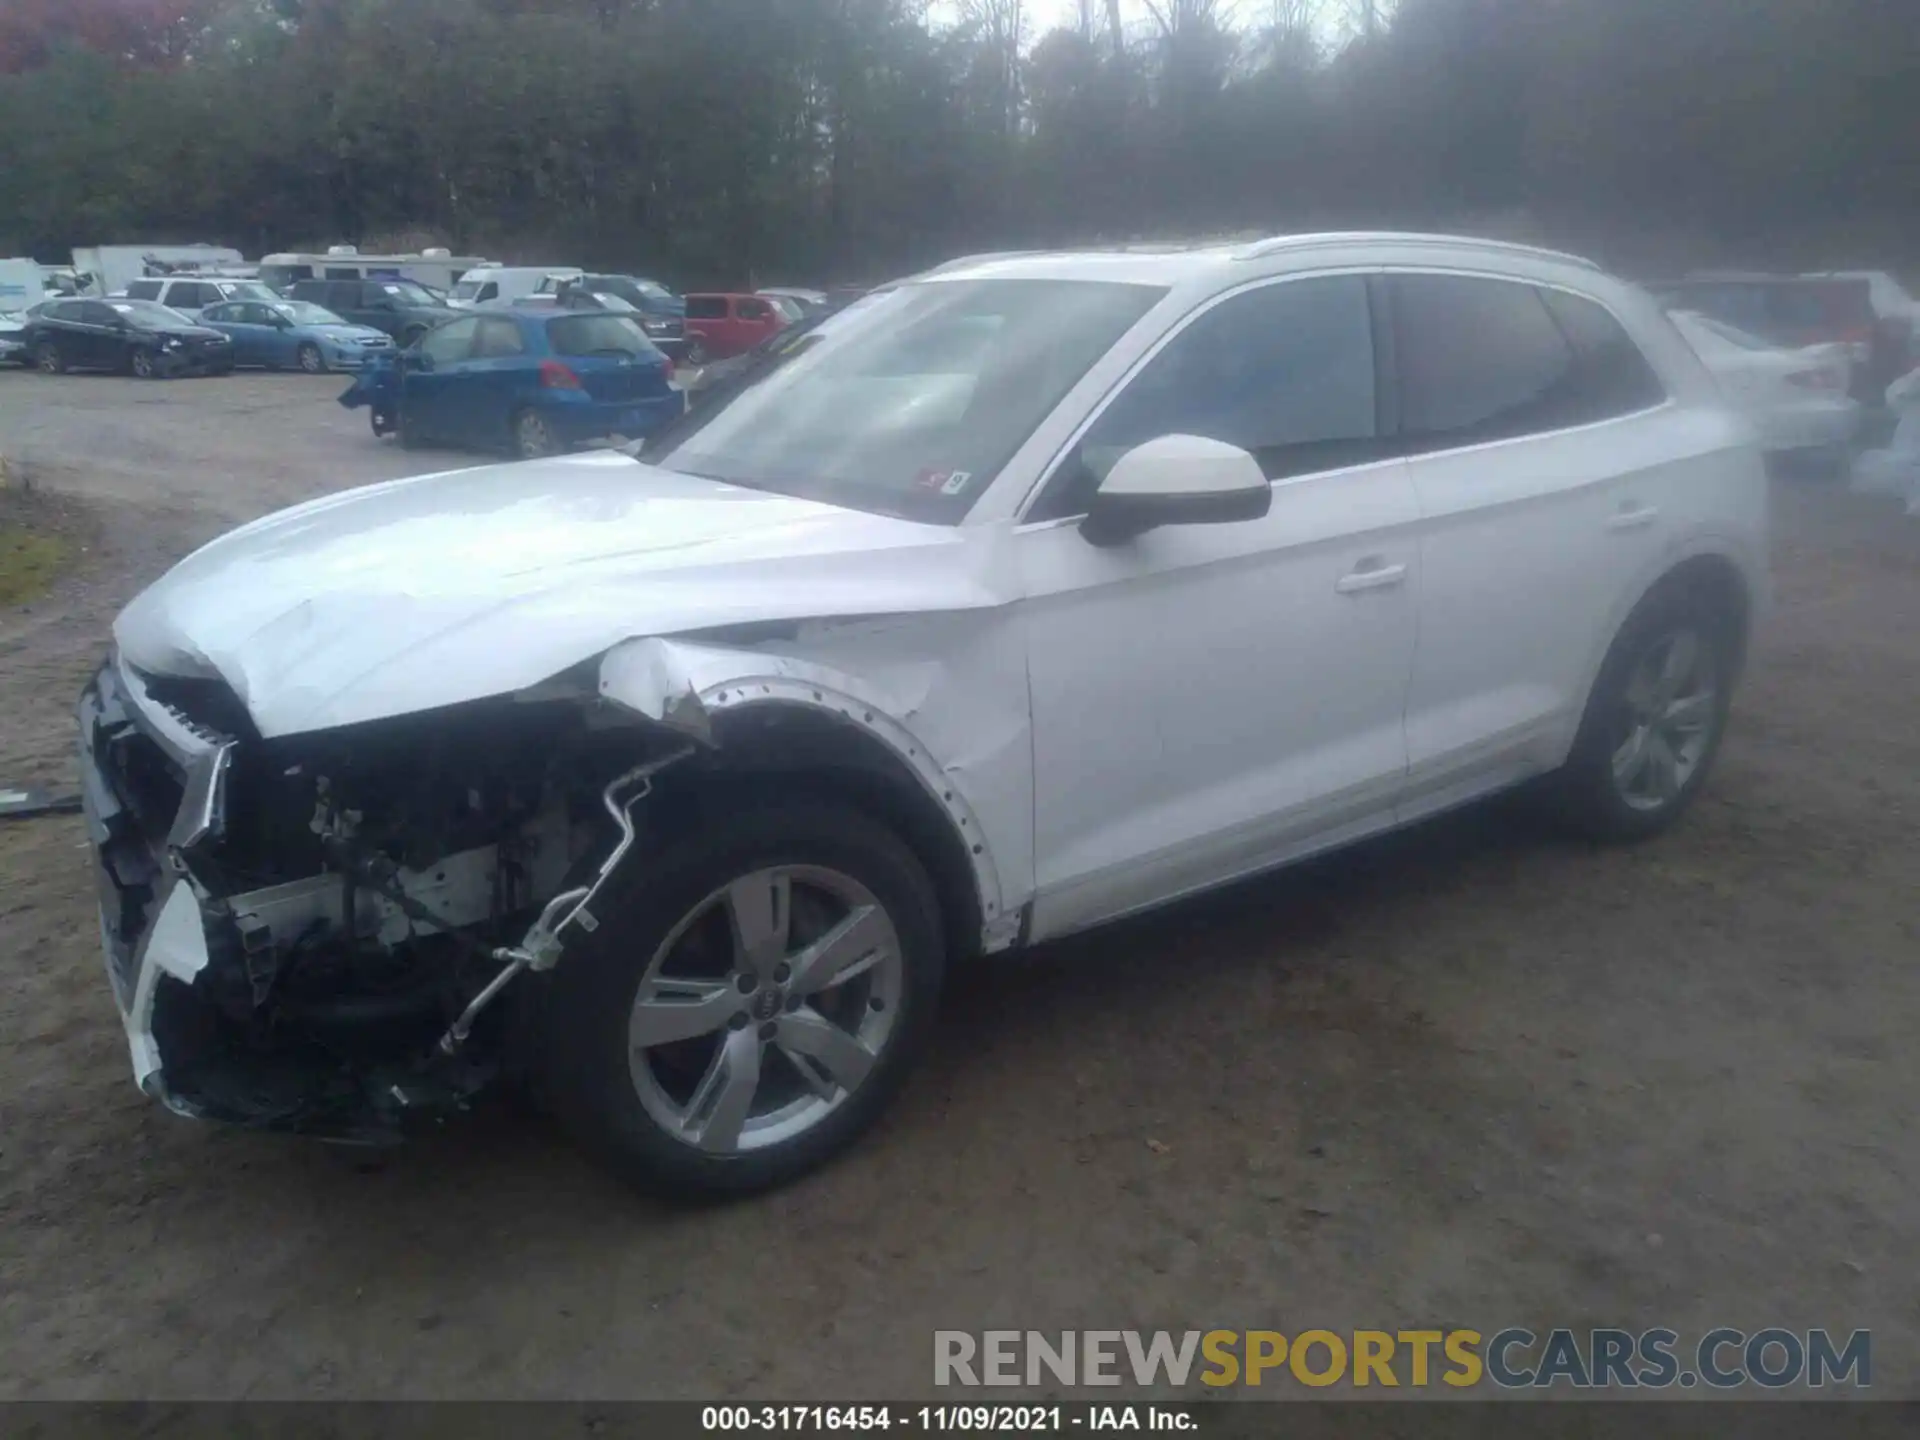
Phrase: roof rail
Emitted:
{"points": [[1278, 244]]}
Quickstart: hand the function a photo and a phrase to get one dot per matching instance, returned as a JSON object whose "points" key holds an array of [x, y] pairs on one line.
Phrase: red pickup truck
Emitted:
{"points": [[723, 325]]}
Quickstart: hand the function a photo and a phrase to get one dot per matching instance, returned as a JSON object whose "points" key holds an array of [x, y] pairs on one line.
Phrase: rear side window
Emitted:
{"points": [[144, 290], [191, 294], [497, 339], [597, 334], [1612, 376], [755, 309], [706, 307], [1479, 360]]}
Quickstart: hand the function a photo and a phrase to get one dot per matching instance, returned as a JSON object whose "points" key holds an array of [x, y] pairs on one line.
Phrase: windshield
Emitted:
{"points": [[910, 401], [467, 290], [597, 333], [305, 312], [246, 290], [407, 293], [148, 313]]}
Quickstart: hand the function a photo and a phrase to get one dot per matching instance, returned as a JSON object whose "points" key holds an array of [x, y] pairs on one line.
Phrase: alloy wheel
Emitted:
{"points": [[143, 364], [51, 361], [310, 360], [532, 437], [765, 1008], [1669, 712]]}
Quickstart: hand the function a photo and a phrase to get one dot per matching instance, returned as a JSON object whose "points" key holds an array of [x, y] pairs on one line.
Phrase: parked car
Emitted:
{"points": [[294, 335], [1025, 597], [505, 284], [190, 294], [530, 381], [662, 313], [137, 336], [13, 338], [722, 325], [1794, 311], [1796, 398], [1898, 311], [807, 302], [401, 309]]}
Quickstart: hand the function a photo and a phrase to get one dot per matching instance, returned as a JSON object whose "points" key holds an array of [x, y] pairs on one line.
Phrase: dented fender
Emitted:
{"points": [[945, 694]]}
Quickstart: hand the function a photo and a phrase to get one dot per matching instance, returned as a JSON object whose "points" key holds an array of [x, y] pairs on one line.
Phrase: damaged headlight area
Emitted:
{"points": [[308, 933]]}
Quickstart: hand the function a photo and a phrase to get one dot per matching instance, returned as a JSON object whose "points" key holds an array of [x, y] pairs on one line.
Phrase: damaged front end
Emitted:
{"points": [[307, 933]]}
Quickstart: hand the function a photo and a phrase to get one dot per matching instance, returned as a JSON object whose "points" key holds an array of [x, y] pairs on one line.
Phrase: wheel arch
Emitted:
{"points": [[1719, 571], [759, 717]]}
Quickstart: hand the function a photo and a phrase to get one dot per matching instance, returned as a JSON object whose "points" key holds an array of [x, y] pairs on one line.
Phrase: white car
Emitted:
{"points": [[190, 294], [1796, 398], [1025, 595]]}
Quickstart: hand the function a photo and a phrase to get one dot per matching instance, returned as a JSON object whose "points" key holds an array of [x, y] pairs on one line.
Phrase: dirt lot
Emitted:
{"points": [[1468, 1076]]}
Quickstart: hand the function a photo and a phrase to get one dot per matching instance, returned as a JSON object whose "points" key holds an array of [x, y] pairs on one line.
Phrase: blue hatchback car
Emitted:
{"points": [[293, 335], [533, 381]]}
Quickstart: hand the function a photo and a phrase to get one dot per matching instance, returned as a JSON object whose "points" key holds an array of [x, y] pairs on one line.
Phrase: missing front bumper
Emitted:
{"points": [[153, 793]]}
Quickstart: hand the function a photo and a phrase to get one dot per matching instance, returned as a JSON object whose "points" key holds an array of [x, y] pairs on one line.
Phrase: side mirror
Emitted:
{"points": [[1176, 480]]}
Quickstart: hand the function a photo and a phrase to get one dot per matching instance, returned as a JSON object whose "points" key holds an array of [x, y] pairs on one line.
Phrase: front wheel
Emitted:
{"points": [[1654, 721], [50, 359], [750, 1002], [696, 353], [311, 360], [144, 366]]}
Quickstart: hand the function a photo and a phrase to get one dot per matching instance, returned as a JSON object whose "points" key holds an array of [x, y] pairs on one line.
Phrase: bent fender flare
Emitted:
{"points": [[682, 685]]}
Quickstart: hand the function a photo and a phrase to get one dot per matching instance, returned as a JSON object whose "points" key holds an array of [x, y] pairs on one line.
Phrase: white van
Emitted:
{"points": [[504, 284], [434, 267]]}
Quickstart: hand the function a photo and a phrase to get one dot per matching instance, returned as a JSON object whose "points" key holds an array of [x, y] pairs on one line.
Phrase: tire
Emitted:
{"points": [[49, 359], [310, 359], [381, 422], [1676, 656], [533, 437], [140, 362], [641, 1111], [696, 353]]}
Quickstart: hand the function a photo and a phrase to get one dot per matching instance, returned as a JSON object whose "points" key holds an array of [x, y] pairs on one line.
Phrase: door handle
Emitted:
{"points": [[1372, 573], [1633, 517]]}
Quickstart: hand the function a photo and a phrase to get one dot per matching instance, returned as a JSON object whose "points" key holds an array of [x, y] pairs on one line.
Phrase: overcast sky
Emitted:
{"points": [[1043, 15]]}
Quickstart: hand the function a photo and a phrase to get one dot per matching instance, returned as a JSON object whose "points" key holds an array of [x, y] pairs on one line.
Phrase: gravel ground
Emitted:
{"points": [[1465, 1076]]}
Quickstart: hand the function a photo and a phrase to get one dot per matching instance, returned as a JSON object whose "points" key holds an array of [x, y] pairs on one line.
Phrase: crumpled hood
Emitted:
{"points": [[452, 587]]}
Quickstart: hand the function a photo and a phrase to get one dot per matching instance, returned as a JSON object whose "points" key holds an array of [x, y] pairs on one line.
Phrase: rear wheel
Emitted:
{"points": [[1654, 721], [311, 360], [750, 1001], [50, 359], [533, 437], [696, 353]]}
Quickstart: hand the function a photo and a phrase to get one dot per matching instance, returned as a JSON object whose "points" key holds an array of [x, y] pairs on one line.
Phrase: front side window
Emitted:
{"points": [[1479, 360], [450, 344], [1284, 372], [910, 402]]}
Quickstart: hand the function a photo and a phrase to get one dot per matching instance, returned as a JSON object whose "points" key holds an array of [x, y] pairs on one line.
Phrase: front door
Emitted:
{"points": [[1209, 700], [1540, 492]]}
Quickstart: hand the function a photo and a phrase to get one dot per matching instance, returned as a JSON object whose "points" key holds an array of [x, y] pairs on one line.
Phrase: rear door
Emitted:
{"points": [[1526, 413], [485, 387], [616, 365], [430, 378]]}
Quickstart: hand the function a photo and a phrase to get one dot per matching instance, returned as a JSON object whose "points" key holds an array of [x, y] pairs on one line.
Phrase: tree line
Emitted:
{"points": [[734, 141]]}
